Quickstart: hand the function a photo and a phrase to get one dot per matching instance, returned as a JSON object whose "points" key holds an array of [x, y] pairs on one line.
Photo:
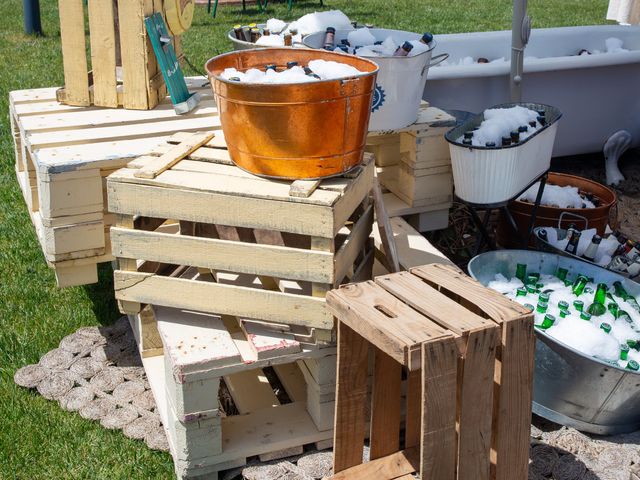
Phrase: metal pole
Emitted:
{"points": [[31, 10], [520, 30]]}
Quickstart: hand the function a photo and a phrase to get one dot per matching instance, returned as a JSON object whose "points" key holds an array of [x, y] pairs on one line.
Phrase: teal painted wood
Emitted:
{"points": [[167, 60]]}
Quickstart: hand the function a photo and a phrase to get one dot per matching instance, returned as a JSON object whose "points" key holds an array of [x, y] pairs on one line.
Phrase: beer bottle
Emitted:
{"points": [[597, 308], [533, 124], [369, 25], [578, 305], [529, 306], [490, 144], [270, 66], [467, 141], [255, 35], [544, 297], [634, 251], [561, 273], [585, 316], [535, 275], [621, 248], [403, 50], [345, 41], [632, 343], [542, 307], [548, 321], [624, 351], [234, 79], [572, 246], [622, 293], [246, 31], [427, 38], [329, 38], [521, 272], [542, 234], [291, 64], [521, 292], [622, 315], [531, 288], [618, 264], [613, 308], [563, 305], [468, 134], [483, 60], [237, 31], [604, 326], [579, 284], [515, 137], [633, 365], [266, 32], [523, 129], [293, 31], [592, 249], [288, 40], [542, 121], [564, 313], [310, 73], [506, 141]]}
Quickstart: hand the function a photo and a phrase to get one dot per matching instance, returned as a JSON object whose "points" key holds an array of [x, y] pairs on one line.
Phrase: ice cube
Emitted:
{"points": [[275, 25], [319, 21], [361, 36], [271, 41]]}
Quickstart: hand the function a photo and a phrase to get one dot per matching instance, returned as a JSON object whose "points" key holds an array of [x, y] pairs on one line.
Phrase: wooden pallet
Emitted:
{"points": [[258, 248], [127, 76], [468, 356], [198, 351], [63, 156], [414, 166]]}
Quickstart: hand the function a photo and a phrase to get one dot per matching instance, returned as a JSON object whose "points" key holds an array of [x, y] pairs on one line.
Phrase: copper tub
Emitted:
{"points": [[293, 131]]}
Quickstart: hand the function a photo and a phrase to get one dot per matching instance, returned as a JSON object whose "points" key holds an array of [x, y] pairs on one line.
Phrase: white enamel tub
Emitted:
{"points": [[597, 94]]}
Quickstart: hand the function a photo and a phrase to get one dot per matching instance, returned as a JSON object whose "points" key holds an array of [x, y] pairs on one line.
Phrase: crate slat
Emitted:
{"points": [[72, 39], [103, 52]]}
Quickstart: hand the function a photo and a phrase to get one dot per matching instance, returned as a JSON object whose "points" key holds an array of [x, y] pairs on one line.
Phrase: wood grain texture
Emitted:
{"points": [[385, 406], [438, 445], [135, 76], [74, 57], [103, 52], [396, 465], [351, 398], [413, 417]]}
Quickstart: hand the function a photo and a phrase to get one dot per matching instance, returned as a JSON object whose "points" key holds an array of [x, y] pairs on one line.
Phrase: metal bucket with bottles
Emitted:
{"points": [[571, 387], [401, 79]]}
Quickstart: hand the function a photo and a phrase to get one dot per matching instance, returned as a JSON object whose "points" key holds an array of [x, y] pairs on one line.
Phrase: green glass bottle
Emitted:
{"points": [[564, 313], [521, 292], [578, 305], [633, 365], [579, 285], [613, 308], [542, 307], [529, 306], [521, 272], [531, 288], [562, 305], [622, 315], [604, 326], [622, 293], [544, 297], [548, 321], [632, 343], [624, 351], [531, 280], [561, 273], [535, 274], [597, 308], [539, 286], [585, 315]]}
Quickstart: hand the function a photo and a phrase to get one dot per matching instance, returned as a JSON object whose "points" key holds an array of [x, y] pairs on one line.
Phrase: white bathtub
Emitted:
{"points": [[598, 94]]}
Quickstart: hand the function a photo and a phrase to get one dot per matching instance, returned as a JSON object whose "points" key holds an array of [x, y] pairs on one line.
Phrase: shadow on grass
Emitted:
{"points": [[102, 296]]}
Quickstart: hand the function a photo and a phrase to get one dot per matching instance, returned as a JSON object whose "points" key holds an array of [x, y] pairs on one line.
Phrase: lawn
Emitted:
{"points": [[37, 438]]}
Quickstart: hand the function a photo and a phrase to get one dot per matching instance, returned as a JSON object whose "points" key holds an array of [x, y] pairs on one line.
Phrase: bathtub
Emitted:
{"points": [[597, 94]]}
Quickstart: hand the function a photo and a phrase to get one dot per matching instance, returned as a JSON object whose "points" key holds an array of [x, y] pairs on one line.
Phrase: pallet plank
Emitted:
{"points": [[251, 391], [385, 406], [74, 59], [173, 156], [103, 52], [134, 54], [396, 465]]}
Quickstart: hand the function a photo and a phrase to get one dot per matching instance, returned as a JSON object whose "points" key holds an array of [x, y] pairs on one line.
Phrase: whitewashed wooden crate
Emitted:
{"points": [[63, 156], [247, 246], [198, 351]]}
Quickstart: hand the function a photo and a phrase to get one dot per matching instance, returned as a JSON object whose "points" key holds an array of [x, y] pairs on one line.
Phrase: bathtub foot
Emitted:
{"points": [[614, 147]]}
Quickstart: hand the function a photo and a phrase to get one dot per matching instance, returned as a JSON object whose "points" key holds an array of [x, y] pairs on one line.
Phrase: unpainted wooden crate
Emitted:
{"points": [[188, 355], [467, 353], [123, 69], [247, 246], [63, 156]]}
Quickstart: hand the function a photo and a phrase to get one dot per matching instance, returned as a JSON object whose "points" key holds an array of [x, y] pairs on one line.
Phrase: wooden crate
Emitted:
{"points": [[63, 155], [127, 76], [468, 356], [186, 358], [415, 169], [257, 248]]}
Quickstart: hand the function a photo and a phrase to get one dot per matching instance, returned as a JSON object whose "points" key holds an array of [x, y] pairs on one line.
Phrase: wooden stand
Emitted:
{"points": [[276, 384], [468, 356], [414, 166], [246, 246], [124, 70], [63, 156]]}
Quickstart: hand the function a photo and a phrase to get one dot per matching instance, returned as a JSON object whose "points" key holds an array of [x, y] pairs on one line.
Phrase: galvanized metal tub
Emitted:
{"points": [[571, 388], [293, 131]]}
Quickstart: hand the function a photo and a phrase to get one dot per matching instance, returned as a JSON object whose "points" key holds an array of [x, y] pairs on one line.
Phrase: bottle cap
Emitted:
{"points": [[523, 128], [427, 37], [234, 79], [490, 144], [596, 239], [585, 315], [236, 27], [345, 41], [483, 60], [271, 66], [542, 113], [408, 46], [506, 140], [633, 365], [331, 30], [605, 326], [291, 64], [468, 134], [529, 306], [252, 25]]}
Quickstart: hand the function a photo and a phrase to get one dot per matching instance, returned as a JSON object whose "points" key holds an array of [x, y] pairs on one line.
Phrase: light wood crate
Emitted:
{"points": [[187, 356], [468, 356], [123, 67], [63, 156], [414, 167], [247, 246]]}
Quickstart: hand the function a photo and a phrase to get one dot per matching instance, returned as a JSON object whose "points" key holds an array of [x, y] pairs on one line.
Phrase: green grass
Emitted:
{"points": [[37, 438]]}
